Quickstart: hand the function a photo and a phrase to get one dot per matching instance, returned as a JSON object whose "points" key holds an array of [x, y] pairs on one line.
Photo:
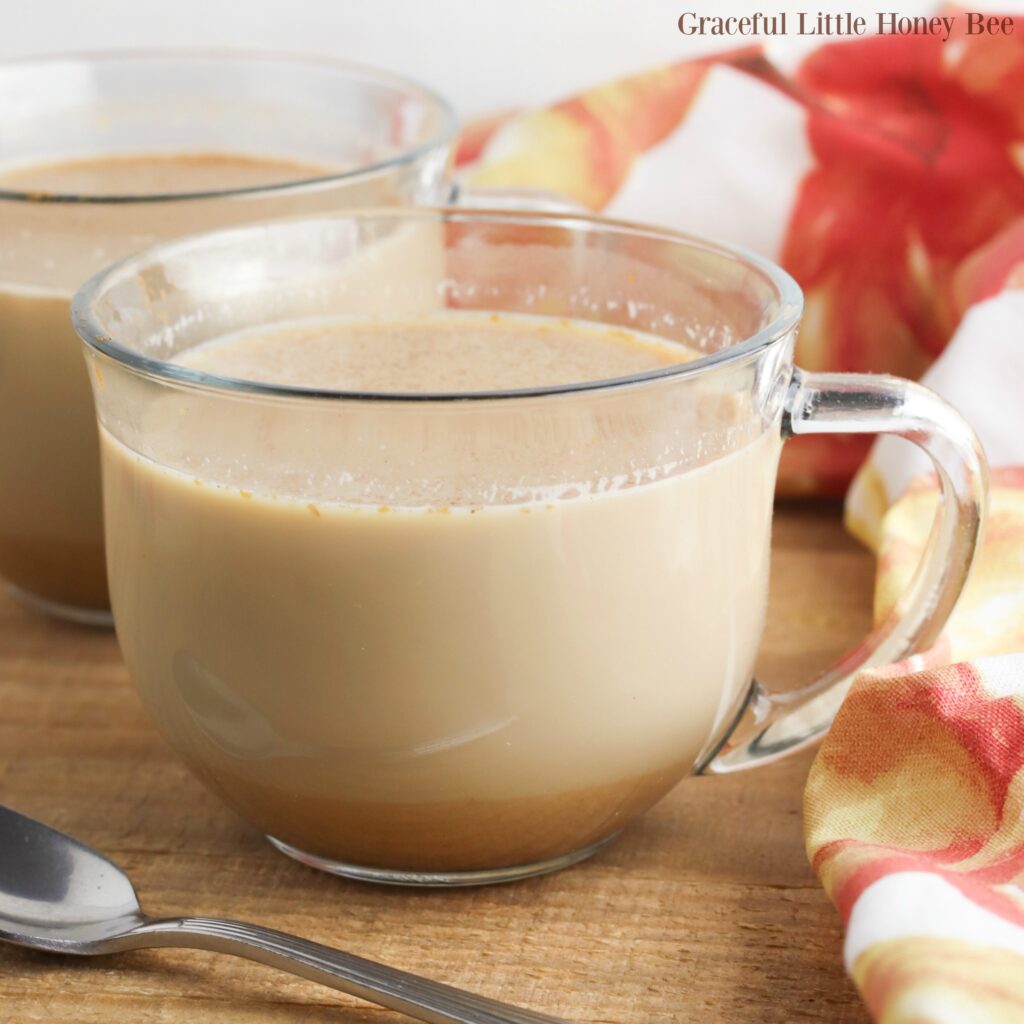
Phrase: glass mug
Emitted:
{"points": [[364, 138], [454, 638]]}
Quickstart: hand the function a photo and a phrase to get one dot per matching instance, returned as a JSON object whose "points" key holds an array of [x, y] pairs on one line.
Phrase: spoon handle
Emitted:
{"points": [[418, 997]]}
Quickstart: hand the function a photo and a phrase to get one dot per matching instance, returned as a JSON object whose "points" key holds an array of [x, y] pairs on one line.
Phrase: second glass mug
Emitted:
{"points": [[368, 138], [334, 607]]}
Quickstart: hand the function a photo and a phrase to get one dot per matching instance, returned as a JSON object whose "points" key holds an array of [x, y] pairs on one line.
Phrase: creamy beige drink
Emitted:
{"points": [[417, 678], [51, 531]]}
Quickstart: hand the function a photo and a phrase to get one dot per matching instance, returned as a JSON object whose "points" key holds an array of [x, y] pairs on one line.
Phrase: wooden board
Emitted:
{"points": [[705, 910]]}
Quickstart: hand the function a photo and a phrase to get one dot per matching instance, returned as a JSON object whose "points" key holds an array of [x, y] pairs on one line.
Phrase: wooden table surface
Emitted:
{"points": [[705, 910]]}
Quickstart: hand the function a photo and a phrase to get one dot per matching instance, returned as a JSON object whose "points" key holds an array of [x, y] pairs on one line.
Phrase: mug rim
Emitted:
{"points": [[788, 293], [444, 135]]}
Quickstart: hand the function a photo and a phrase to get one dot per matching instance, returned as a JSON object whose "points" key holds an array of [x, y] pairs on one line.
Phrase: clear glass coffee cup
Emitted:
{"points": [[337, 135], [459, 637]]}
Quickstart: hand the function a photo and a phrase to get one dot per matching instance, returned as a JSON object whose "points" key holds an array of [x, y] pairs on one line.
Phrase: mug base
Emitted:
{"points": [[100, 618], [440, 879]]}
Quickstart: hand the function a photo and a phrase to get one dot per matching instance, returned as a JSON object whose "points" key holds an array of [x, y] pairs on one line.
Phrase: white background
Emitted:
{"points": [[484, 55]]}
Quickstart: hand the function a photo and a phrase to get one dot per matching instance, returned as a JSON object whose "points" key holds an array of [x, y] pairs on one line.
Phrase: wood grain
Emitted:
{"points": [[705, 910]]}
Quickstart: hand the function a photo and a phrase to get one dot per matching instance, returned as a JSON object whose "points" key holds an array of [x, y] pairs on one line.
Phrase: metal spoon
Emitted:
{"points": [[60, 896]]}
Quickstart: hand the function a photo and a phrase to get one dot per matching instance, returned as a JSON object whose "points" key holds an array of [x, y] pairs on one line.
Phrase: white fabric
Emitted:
{"points": [[699, 179], [911, 903]]}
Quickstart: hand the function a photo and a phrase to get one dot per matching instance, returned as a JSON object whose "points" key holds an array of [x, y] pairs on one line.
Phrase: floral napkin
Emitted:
{"points": [[914, 809], [887, 175]]}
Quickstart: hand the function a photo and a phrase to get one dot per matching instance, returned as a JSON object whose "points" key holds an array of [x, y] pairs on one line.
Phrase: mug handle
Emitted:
{"points": [[771, 725]]}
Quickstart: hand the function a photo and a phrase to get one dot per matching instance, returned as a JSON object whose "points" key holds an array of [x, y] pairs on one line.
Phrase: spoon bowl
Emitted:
{"points": [[56, 891]]}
